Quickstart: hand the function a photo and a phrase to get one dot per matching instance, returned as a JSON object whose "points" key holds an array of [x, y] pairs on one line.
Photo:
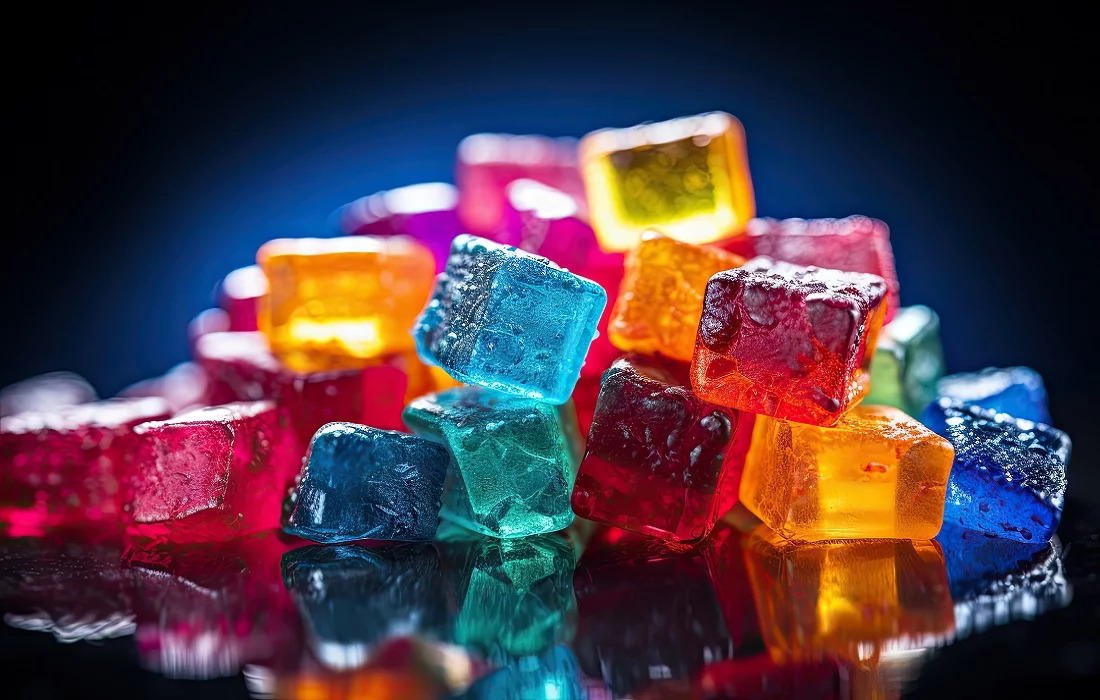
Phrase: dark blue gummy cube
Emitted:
{"points": [[1009, 475], [363, 483], [1017, 391], [352, 598], [508, 320]]}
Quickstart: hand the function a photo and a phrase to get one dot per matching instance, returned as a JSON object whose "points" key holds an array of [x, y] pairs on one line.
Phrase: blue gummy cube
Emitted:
{"points": [[365, 483], [1009, 474], [509, 320], [978, 564], [514, 465], [551, 676], [1017, 391], [352, 598]]}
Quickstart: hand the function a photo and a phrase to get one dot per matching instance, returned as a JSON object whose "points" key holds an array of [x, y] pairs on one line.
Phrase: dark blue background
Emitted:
{"points": [[154, 155]]}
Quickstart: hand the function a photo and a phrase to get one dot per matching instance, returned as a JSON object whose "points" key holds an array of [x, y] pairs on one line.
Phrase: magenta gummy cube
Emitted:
{"points": [[488, 163], [852, 244], [427, 212], [239, 294], [63, 467], [211, 474]]}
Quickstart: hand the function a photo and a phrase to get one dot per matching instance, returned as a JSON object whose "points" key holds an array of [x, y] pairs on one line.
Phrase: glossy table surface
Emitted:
{"points": [[591, 612]]}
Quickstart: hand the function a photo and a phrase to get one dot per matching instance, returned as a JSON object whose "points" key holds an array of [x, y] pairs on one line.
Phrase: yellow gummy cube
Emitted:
{"points": [[687, 177]]}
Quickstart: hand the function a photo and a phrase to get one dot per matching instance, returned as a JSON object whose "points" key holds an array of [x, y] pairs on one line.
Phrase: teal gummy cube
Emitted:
{"points": [[508, 320], [513, 467], [908, 361]]}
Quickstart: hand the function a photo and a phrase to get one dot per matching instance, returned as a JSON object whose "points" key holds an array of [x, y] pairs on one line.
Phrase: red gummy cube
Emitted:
{"points": [[550, 223], [488, 163], [853, 244], [240, 367], [212, 474], [239, 293], [63, 467], [788, 341], [660, 460]]}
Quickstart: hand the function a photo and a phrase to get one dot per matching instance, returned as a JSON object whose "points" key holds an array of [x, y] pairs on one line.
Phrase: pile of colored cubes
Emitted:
{"points": [[598, 329]]}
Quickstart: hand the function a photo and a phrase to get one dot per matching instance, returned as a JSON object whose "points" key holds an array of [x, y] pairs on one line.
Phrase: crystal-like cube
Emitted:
{"points": [[487, 163], [427, 212], [687, 177], [908, 361], [239, 294], [853, 244], [337, 303], [788, 341], [510, 321], [1009, 476], [1017, 391], [211, 474], [877, 473], [660, 301], [64, 466], [361, 483], [660, 460], [514, 465]]}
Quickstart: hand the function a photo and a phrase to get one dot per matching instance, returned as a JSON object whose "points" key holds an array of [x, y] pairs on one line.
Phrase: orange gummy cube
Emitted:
{"points": [[876, 473], [336, 303], [688, 177], [661, 297], [848, 599]]}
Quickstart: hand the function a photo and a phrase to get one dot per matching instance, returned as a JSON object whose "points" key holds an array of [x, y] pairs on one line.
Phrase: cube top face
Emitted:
{"points": [[337, 302], [850, 599], [514, 463], [659, 461], [908, 360], [365, 483], [661, 298], [45, 392], [1017, 391], [1009, 476], [509, 321], [687, 177], [109, 414], [244, 283], [788, 341], [878, 473], [549, 222], [249, 349], [854, 244]]}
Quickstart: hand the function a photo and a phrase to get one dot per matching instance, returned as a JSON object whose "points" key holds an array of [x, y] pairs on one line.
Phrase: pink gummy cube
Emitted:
{"points": [[852, 244], [63, 467], [211, 474], [183, 387], [488, 163], [239, 294], [45, 392]]}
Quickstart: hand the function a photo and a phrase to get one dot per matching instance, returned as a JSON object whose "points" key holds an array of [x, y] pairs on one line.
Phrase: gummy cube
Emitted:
{"points": [[548, 222], [487, 163], [877, 473], [1009, 476], [361, 483], [908, 361], [211, 474], [515, 596], [553, 674], [337, 303], [687, 177], [852, 600], [45, 393], [427, 212], [660, 460], [353, 598], [787, 341], [184, 387], [239, 367], [1017, 391], [661, 298], [853, 244], [239, 294], [510, 321], [64, 466], [514, 465]]}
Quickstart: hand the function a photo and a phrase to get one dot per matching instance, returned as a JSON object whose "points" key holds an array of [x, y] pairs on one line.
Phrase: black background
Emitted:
{"points": [[155, 149]]}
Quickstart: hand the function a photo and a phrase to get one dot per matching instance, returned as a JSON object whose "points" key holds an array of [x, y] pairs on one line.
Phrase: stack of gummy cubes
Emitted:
{"points": [[598, 329]]}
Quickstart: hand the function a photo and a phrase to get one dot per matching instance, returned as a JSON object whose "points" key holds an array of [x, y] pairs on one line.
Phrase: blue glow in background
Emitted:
{"points": [[157, 157]]}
